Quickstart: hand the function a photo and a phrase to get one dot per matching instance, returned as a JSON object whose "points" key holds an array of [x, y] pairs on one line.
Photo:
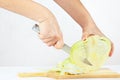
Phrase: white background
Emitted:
{"points": [[20, 46]]}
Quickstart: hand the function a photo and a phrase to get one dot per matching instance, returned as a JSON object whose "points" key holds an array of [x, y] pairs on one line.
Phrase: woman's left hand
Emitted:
{"points": [[93, 30]]}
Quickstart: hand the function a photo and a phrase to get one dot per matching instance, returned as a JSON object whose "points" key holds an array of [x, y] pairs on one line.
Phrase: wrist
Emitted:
{"points": [[58, 1], [89, 26], [45, 17], [42, 14]]}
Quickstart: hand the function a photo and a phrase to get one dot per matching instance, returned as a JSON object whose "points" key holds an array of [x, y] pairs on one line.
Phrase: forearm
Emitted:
{"points": [[27, 8], [77, 11]]}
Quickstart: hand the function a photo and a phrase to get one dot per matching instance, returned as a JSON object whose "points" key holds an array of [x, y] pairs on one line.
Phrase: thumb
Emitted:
{"points": [[59, 44], [84, 36], [112, 49]]}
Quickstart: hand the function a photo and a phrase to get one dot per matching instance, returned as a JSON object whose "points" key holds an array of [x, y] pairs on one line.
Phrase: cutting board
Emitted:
{"points": [[102, 73]]}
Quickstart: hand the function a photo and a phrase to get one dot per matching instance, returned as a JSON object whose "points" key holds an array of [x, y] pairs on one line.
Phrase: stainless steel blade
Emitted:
{"points": [[85, 60], [66, 48]]}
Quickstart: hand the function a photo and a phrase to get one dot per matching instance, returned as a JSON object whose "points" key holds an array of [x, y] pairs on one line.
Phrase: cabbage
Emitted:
{"points": [[95, 48]]}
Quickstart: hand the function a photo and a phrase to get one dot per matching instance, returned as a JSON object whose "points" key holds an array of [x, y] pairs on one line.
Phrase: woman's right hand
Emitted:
{"points": [[50, 33]]}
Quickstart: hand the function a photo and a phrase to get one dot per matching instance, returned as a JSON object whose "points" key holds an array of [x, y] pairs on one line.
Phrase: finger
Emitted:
{"points": [[112, 49], [45, 36], [84, 37], [50, 39], [47, 40], [59, 44], [91, 35], [52, 42]]}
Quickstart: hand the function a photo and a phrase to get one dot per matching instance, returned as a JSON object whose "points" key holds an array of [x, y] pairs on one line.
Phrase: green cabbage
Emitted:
{"points": [[95, 48]]}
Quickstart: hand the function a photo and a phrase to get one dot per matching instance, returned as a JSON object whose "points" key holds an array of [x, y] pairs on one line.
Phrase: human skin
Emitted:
{"points": [[79, 13], [50, 32]]}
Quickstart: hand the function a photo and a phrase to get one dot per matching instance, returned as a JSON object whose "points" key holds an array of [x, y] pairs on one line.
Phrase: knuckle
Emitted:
{"points": [[49, 44], [41, 36], [44, 41], [54, 36]]}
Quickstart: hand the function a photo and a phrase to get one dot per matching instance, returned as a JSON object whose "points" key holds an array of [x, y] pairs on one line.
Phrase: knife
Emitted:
{"points": [[65, 47]]}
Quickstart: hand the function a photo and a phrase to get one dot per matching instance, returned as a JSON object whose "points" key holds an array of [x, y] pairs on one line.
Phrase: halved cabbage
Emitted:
{"points": [[95, 48]]}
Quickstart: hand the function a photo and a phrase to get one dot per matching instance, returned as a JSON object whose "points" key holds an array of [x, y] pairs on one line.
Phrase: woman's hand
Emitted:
{"points": [[93, 30], [50, 32], [49, 28]]}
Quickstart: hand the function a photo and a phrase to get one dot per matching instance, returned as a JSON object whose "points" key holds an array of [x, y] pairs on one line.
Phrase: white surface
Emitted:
{"points": [[20, 46], [11, 73]]}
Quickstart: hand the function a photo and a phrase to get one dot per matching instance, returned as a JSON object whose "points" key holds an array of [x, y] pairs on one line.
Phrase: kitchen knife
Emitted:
{"points": [[65, 47]]}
